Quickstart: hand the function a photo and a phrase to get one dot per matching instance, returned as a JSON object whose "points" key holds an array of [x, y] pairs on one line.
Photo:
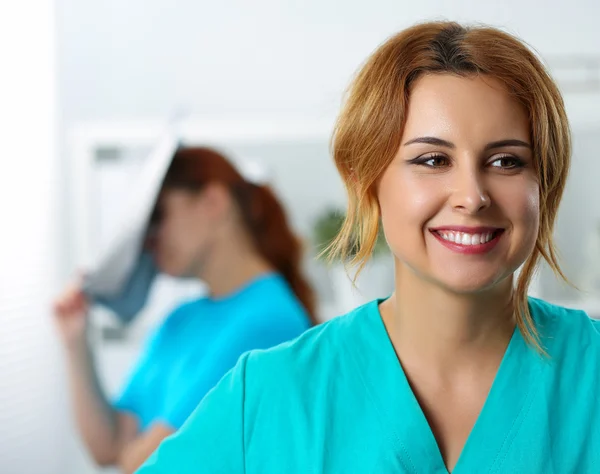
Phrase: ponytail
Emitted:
{"points": [[274, 239], [263, 215]]}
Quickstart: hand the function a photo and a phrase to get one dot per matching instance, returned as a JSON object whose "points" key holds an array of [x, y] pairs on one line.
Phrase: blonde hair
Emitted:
{"points": [[369, 128]]}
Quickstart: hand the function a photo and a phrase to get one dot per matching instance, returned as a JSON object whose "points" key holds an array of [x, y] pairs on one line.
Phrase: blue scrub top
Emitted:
{"points": [[336, 400], [203, 339]]}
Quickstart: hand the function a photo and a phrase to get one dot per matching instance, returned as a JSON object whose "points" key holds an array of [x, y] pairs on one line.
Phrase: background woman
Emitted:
{"points": [[212, 224]]}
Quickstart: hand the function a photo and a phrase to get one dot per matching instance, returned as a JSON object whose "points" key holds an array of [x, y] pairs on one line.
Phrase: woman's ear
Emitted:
{"points": [[215, 199]]}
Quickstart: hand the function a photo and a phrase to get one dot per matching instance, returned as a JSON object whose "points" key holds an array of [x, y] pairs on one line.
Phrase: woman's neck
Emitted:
{"points": [[230, 264], [447, 331]]}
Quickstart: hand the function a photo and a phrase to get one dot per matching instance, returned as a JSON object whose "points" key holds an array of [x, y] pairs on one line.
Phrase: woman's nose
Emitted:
{"points": [[470, 194]]}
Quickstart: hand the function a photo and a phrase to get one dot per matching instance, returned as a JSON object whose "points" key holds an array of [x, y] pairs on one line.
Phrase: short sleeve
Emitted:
{"points": [[212, 439], [133, 391], [220, 358]]}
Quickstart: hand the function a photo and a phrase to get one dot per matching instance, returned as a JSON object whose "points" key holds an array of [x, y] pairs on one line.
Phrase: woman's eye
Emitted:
{"points": [[507, 162], [437, 161]]}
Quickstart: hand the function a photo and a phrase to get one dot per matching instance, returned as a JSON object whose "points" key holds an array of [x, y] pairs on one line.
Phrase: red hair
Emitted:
{"points": [[370, 125], [262, 213]]}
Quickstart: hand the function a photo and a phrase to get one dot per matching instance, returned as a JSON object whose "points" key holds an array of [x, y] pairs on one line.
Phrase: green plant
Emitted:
{"points": [[328, 225]]}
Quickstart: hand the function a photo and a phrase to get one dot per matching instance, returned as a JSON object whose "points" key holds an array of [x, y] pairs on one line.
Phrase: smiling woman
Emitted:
{"points": [[464, 178], [456, 141]]}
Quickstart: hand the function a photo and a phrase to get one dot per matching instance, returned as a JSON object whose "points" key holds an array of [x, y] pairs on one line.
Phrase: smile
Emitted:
{"points": [[470, 241]]}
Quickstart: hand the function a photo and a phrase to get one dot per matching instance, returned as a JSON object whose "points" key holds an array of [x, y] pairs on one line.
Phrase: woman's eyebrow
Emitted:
{"points": [[431, 141], [510, 142], [505, 143]]}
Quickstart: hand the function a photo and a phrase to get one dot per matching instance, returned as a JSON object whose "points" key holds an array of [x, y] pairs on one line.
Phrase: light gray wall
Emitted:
{"points": [[579, 217], [142, 58]]}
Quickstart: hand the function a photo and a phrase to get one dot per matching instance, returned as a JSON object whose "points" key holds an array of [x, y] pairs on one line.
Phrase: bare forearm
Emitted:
{"points": [[96, 419], [134, 454]]}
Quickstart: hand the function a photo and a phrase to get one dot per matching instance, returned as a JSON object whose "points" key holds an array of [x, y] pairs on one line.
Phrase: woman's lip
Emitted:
{"points": [[477, 249], [466, 229]]}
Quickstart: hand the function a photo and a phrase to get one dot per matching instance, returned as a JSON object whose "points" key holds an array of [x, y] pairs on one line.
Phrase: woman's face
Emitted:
{"points": [[460, 201], [185, 231]]}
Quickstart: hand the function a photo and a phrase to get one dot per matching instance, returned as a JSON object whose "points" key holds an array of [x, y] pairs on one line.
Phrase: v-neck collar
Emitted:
{"points": [[408, 433]]}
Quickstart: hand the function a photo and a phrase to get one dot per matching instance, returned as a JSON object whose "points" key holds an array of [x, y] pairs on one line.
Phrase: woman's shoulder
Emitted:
{"points": [[176, 317], [313, 354], [565, 325], [184, 309]]}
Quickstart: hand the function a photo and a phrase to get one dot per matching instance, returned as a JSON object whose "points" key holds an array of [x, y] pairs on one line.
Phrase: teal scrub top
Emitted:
{"points": [[201, 341], [336, 400]]}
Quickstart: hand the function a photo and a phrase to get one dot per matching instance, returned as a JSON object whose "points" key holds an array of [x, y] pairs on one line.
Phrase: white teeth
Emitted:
{"points": [[466, 239]]}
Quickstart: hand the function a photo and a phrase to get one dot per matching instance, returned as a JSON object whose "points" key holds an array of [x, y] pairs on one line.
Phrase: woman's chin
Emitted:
{"points": [[472, 285], [167, 268]]}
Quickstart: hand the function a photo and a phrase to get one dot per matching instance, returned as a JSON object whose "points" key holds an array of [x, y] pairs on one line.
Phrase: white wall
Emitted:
{"points": [[33, 412], [142, 58], [579, 217]]}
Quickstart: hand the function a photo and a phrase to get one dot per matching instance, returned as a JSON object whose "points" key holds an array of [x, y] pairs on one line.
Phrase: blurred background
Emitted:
{"points": [[86, 89]]}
